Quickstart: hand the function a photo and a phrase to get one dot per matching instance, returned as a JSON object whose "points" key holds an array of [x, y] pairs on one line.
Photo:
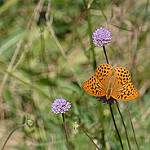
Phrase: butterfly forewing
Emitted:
{"points": [[125, 93], [97, 85], [94, 87], [121, 77], [103, 74]]}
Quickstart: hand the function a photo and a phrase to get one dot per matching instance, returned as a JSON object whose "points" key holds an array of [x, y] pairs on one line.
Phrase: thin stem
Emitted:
{"points": [[63, 116], [11, 134], [116, 126], [124, 125], [110, 104], [90, 33], [105, 55], [88, 135], [132, 126]]}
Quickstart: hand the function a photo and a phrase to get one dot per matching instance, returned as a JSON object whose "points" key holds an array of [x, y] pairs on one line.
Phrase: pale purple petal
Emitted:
{"points": [[60, 105], [101, 37]]}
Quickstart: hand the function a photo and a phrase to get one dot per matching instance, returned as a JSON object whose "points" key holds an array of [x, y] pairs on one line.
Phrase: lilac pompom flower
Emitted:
{"points": [[101, 37], [60, 105]]}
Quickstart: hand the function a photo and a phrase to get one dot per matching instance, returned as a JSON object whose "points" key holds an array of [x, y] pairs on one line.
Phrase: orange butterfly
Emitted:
{"points": [[118, 86]]}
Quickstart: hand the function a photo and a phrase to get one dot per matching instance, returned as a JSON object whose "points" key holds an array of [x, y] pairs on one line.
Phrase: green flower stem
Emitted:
{"points": [[105, 55], [116, 126], [87, 7], [63, 116], [110, 105], [12, 133]]}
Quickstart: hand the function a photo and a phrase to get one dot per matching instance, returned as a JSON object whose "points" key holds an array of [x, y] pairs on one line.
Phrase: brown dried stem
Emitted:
{"points": [[87, 135], [49, 23]]}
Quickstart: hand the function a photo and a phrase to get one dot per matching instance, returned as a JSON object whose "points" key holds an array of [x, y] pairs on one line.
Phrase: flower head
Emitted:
{"points": [[104, 99], [60, 105], [30, 123], [101, 37]]}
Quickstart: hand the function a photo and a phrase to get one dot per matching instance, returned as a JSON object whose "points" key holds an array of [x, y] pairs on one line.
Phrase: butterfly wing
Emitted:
{"points": [[121, 77], [122, 88], [126, 93], [94, 87], [97, 85], [103, 74]]}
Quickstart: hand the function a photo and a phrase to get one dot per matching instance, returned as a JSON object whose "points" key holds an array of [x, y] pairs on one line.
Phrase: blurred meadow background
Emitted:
{"points": [[47, 53]]}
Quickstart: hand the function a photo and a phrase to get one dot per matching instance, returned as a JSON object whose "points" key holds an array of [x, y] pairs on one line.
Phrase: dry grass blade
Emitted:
{"points": [[35, 16], [49, 22]]}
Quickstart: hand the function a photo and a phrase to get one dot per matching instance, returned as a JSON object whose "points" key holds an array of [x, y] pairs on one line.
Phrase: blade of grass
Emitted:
{"points": [[7, 5], [25, 50], [26, 83], [10, 43], [19, 45]]}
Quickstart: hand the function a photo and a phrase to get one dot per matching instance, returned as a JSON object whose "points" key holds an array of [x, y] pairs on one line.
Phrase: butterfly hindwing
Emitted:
{"points": [[125, 93], [94, 87]]}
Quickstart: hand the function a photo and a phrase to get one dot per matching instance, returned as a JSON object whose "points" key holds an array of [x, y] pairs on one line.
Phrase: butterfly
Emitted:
{"points": [[118, 86]]}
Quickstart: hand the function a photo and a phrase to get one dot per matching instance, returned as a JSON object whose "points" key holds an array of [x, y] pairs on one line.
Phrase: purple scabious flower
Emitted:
{"points": [[104, 99], [60, 105], [101, 37]]}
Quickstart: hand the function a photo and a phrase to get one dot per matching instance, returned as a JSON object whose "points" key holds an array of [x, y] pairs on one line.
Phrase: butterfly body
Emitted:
{"points": [[118, 86], [108, 93], [110, 88]]}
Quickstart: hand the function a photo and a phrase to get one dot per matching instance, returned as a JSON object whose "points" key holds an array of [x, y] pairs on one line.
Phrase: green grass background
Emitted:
{"points": [[48, 62]]}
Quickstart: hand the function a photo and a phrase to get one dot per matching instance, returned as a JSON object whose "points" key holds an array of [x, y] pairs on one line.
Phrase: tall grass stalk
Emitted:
{"points": [[87, 7]]}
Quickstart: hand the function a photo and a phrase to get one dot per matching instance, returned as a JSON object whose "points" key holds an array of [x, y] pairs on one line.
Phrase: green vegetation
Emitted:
{"points": [[44, 58]]}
